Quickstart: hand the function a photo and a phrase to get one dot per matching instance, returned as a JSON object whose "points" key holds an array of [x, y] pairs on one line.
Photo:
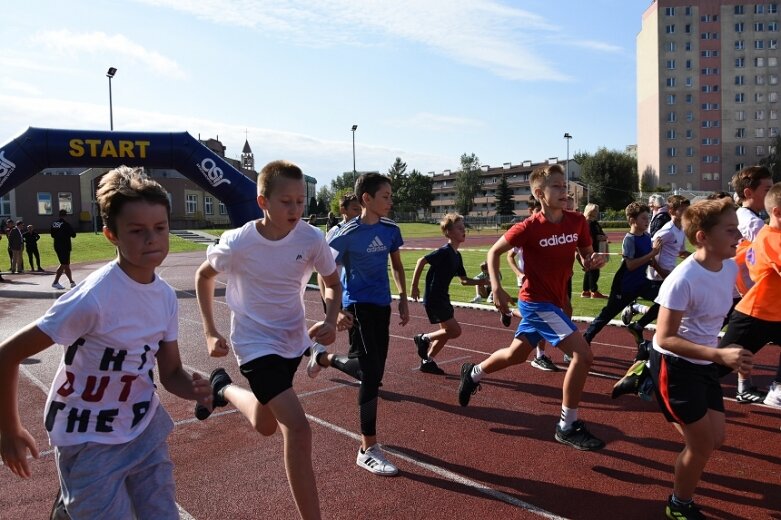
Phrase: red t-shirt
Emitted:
{"points": [[548, 254]]}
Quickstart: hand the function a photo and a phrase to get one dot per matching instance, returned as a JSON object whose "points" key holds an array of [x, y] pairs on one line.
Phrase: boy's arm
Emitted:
{"points": [[204, 292], [15, 440], [591, 260], [325, 332], [401, 285], [176, 380], [642, 261], [416, 277], [501, 298], [667, 324]]}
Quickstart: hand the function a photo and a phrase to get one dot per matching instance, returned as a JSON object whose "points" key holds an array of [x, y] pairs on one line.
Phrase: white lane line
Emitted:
{"points": [[449, 475]]}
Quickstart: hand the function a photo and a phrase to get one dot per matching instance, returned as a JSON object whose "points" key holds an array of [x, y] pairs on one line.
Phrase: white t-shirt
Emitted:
{"points": [[110, 327], [749, 223], [705, 298], [673, 243], [519, 262], [266, 284]]}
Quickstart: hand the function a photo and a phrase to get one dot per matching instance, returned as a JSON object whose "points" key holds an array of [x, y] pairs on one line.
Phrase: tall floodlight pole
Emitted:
{"points": [[355, 173], [567, 136], [109, 75]]}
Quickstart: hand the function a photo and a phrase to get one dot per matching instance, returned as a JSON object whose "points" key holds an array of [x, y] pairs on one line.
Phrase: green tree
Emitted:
{"points": [[773, 159], [504, 198], [418, 191], [312, 208], [345, 180], [467, 183], [323, 200], [611, 177], [337, 199], [398, 178]]}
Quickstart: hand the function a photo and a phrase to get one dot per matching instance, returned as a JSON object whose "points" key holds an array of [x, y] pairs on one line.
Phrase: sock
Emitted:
{"points": [[744, 385], [568, 416], [642, 309], [425, 337], [678, 502], [540, 352], [476, 374]]}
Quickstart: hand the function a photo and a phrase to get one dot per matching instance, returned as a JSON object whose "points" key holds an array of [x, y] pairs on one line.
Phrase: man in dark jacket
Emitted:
{"points": [[31, 238], [62, 232]]}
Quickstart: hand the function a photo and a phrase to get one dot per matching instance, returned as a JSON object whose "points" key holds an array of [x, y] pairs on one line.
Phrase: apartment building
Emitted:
{"points": [[707, 90]]}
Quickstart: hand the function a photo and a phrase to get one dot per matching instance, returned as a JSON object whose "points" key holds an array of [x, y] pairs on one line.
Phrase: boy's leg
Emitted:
{"points": [[615, 303], [449, 329], [261, 417], [702, 438], [471, 374], [579, 350]]}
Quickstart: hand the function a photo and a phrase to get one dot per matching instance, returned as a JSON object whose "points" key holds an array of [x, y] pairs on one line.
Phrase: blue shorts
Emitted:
{"points": [[543, 321]]}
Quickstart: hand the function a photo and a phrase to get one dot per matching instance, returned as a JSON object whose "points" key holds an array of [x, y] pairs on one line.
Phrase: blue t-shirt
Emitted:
{"points": [[444, 264], [634, 247], [363, 250]]}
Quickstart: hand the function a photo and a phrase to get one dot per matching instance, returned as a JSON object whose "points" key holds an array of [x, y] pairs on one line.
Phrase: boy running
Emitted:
{"points": [[445, 264], [268, 263], [549, 240], [103, 415]]}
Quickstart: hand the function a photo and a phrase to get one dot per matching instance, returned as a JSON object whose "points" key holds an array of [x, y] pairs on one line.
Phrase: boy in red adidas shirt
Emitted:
{"points": [[549, 240]]}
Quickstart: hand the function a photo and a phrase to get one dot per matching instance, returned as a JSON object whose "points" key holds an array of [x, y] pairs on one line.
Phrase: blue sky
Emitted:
{"points": [[424, 80]]}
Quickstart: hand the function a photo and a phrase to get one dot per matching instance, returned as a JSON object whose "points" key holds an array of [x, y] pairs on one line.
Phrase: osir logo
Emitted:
{"points": [[212, 172], [6, 168], [555, 240]]}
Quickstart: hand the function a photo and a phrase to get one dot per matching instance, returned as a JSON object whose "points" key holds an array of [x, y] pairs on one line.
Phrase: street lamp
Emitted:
{"points": [[567, 136], [355, 174], [109, 75]]}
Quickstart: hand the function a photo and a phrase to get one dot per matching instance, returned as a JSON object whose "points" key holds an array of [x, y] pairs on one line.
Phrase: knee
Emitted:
{"points": [[453, 331], [584, 356], [298, 433]]}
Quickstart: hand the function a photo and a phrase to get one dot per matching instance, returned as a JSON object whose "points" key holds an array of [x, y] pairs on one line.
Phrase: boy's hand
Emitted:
{"points": [[202, 390], [501, 300], [403, 311], [415, 293], [323, 333], [217, 345], [595, 261], [13, 448], [344, 321], [656, 246], [736, 357]]}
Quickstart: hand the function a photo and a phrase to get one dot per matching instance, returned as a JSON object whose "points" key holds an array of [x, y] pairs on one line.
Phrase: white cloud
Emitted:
{"points": [[67, 43], [437, 122]]}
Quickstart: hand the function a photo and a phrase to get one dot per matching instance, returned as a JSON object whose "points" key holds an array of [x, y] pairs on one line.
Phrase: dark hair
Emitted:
{"points": [[749, 177], [347, 199], [274, 170], [122, 185], [62, 213], [676, 201], [716, 195], [634, 209], [370, 184]]}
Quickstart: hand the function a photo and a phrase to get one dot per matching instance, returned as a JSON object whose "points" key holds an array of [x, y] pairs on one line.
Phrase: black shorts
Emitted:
{"points": [[270, 375], [750, 333], [63, 256], [685, 391], [438, 311]]}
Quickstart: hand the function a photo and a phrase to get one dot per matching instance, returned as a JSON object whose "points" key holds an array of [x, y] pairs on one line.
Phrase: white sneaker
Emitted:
{"points": [[313, 367], [491, 299], [58, 285], [773, 397], [374, 460], [476, 299]]}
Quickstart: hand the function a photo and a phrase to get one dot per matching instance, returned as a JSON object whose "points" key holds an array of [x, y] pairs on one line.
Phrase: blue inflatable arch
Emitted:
{"points": [[40, 148]]}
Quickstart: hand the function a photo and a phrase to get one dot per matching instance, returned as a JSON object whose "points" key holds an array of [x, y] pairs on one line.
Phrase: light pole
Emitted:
{"points": [[109, 75], [355, 174], [567, 136]]}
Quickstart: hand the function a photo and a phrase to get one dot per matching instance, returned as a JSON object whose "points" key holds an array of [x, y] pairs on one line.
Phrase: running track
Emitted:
{"points": [[495, 459]]}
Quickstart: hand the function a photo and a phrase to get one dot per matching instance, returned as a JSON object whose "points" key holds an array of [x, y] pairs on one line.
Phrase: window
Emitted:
{"points": [[772, 79], [670, 82], [671, 99], [707, 176], [689, 151], [759, 115], [710, 88], [708, 141], [689, 133], [740, 80], [65, 201], [772, 61], [687, 28], [740, 63], [759, 132], [689, 99], [5, 204], [772, 26], [708, 123], [759, 9], [669, 46], [740, 133], [710, 71], [689, 81], [689, 115], [688, 10], [740, 97], [772, 44], [709, 36], [739, 166], [759, 79], [687, 46], [671, 152], [44, 203], [759, 26], [739, 27], [772, 132], [688, 64], [208, 205], [772, 97], [709, 54], [759, 62], [222, 209], [670, 29], [760, 151], [773, 113], [670, 134], [670, 64], [710, 106], [709, 18], [740, 45], [672, 169], [191, 204], [671, 117], [739, 9], [689, 169], [669, 11], [740, 115], [759, 97], [759, 44], [772, 8]]}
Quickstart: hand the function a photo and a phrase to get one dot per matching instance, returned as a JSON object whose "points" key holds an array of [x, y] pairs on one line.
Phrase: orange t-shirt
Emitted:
{"points": [[763, 259]]}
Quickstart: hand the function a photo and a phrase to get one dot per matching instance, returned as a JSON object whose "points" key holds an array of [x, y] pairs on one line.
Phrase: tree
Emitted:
{"points": [[467, 183], [611, 177], [337, 199], [312, 208], [773, 159], [648, 181], [345, 180], [398, 179], [418, 191], [505, 205], [323, 200]]}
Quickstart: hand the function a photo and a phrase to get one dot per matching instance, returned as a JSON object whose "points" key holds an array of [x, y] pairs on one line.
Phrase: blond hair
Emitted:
{"points": [[591, 211], [773, 198], [540, 176], [122, 185], [448, 221], [703, 216], [273, 171]]}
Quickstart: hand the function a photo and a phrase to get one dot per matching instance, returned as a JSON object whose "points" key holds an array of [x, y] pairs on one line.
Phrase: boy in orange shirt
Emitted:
{"points": [[756, 320]]}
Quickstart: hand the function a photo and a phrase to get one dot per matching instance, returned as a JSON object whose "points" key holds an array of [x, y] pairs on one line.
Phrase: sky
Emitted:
{"points": [[424, 80]]}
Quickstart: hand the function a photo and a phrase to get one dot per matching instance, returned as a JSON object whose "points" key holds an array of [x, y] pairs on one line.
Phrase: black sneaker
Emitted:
{"points": [[627, 314], [422, 344], [630, 383], [467, 388], [688, 511], [544, 363], [429, 366], [643, 351], [507, 319], [58, 509], [752, 395], [219, 379], [636, 331], [578, 437]]}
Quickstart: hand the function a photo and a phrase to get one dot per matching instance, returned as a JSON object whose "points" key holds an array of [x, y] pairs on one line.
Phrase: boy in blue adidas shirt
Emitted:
{"points": [[362, 247]]}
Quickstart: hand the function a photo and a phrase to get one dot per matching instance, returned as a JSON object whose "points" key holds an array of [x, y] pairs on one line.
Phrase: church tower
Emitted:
{"points": [[247, 157]]}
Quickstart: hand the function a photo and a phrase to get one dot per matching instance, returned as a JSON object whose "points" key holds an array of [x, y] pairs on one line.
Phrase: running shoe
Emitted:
{"points": [[630, 383], [585, 294], [219, 380], [467, 388], [578, 437], [773, 397], [688, 511], [429, 366], [373, 459], [313, 367], [73, 284], [752, 395], [422, 343], [627, 314], [544, 363], [636, 331], [476, 299], [58, 286], [507, 319], [598, 295], [643, 351]]}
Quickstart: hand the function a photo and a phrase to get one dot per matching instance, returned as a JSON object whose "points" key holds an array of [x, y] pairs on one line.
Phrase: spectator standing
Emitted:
{"points": [[31, 238], [599, 241], [7, 228], [660, 215], [62, 232], [16, 244]]}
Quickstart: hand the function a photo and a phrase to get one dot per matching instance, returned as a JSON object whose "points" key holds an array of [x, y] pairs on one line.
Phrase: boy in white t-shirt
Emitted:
{"points": [[268, 263], [694, 299], [103, 415]]}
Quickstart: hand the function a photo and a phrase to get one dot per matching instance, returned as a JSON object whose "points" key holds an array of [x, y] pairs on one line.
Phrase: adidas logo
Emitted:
{"points": [[554, 240], [299, 256], [376, 246]]}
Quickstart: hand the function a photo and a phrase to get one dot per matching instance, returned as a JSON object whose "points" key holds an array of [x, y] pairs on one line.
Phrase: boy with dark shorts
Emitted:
{"points": [[62, 233], [268, 263], [549, 240], [445, 264], [362, 247], [756, 320], [685, 360]]}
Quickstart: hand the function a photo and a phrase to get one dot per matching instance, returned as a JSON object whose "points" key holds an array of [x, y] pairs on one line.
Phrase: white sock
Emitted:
{"points": [[641, 309], [425, 337], [568, 416], [743, 385], [540, 352], [477, 374]]}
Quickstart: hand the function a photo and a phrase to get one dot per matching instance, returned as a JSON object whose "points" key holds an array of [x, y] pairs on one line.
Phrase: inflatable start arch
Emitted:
{"points": [[40, 148]]}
